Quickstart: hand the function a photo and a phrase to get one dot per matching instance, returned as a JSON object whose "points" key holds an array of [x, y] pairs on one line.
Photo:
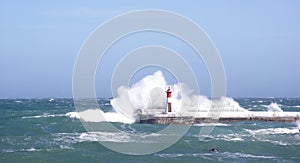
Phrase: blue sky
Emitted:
{"points": [[257, 40]]}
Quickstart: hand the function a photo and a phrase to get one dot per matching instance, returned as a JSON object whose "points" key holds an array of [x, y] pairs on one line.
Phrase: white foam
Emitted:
{"points": [[20, 150], [276, 136], [212, 124], [73, 115], [90, 115], [148, 96], [66, 140], [105, 137], [43, 116], [273, 131], [274, 107], [272, 140], [30, 150], [172, 155], [96, 115], [107, 104], [245, 155], [118, 117], [224, 137], [224, 154], [65, 147], [237, 139]]}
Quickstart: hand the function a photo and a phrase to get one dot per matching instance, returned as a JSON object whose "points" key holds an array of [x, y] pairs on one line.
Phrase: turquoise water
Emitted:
{"points": [[40, 130]]}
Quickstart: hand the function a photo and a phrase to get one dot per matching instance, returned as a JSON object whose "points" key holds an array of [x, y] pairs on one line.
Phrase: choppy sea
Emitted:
{"points": [[44, 130]]}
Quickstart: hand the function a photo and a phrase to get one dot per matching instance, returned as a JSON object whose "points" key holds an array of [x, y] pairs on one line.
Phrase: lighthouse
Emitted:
{"points": [[169, 103]]}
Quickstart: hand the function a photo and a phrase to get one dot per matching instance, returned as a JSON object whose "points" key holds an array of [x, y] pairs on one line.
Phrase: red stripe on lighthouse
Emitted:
{"points": [[169, 95]]}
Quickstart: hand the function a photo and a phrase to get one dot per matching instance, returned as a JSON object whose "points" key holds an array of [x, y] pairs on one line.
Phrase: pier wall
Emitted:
{"points": [[223, 118]]}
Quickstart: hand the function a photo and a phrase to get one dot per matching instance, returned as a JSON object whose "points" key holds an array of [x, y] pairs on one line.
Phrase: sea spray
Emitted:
{"points": [[273, 107], [141, 96], [148, 96]]}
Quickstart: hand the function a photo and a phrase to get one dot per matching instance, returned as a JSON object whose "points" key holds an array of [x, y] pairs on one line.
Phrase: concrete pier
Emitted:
{"points": [[223, 117]]}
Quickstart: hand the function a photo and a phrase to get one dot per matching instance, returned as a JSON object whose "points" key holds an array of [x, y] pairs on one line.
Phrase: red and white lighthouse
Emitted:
{"points": [[169, 103]]}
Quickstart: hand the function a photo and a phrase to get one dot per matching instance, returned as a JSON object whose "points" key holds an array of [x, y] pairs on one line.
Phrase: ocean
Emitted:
{"points": [[46, 130]]}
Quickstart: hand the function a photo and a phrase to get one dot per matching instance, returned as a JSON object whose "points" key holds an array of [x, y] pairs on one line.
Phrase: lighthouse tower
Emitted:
{"points": [[169, 103]]}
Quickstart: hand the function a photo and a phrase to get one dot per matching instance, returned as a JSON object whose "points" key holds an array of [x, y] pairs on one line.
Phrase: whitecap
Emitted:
{"points": [[73, 115], [30, 150], [224, 137], [171, 155], [273, 131], [65, 147], [20, 150], [245, 155], [212, 124], [237, 139], [231, 155], [43, 116], [66, 139]]}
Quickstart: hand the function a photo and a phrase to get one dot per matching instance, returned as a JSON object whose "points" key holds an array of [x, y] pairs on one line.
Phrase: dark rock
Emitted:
{"points": [[214, 150]]}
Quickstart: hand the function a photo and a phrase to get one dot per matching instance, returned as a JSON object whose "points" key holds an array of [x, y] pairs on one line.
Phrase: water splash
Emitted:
{"points": [[94, 115], [148, 96], [274, 107]]}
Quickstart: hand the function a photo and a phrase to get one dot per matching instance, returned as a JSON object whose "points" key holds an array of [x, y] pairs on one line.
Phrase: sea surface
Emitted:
{"points": [[45, 130]]}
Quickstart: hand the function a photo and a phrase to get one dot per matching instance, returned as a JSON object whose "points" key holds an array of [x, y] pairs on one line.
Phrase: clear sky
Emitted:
{"points": [[259, 42]]}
